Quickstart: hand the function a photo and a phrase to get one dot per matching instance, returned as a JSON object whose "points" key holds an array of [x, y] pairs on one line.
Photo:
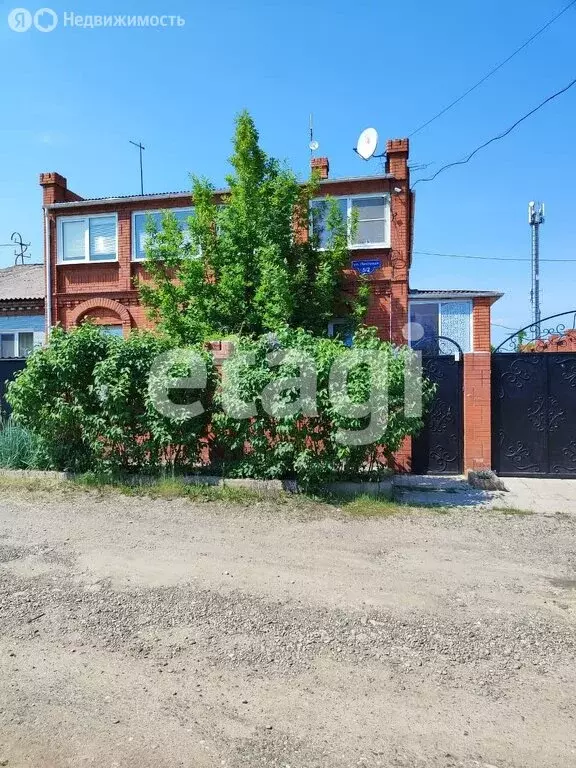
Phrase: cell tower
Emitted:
{"points": [[535, 219]]}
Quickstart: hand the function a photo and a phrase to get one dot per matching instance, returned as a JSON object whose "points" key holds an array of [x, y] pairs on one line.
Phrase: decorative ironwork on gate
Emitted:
{"points": [[438, 449], [528, 339], [438, 346], [534, 414]]}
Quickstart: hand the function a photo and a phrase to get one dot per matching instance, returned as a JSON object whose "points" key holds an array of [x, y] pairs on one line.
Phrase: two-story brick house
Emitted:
{"points": [[95, 249], [94, 253]]}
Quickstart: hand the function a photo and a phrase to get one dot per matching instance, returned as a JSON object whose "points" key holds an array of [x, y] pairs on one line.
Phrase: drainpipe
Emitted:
{"points": [[48, 264]]}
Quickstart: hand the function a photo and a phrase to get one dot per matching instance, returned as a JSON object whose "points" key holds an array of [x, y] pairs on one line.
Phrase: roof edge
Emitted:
{"points": [[188, 195], [452, 294]]}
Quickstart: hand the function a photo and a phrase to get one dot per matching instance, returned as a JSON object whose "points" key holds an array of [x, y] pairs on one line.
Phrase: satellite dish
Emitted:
{"points": [[367, 142], [314, 146]]}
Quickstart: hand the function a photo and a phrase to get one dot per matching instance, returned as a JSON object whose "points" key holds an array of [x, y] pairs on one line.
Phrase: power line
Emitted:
{"points": [[506, 327], [487, 258], [500, 136], [493, 71]]}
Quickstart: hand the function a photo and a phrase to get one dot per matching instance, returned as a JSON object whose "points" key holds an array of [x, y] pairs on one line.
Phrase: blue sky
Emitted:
{"points": [[72, 98]]}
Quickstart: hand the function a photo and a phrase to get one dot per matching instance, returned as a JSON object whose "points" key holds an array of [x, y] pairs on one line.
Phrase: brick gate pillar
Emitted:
{"points": [[477, 411]]}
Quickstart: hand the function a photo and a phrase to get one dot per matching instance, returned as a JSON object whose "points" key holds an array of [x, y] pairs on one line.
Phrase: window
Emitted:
{"points": [[25, 343], [7, 345], [371, 216], [372, 213], [112, 330], [430, 319], [87, 238], [319, 211], [16, 344], [341, 328], [139, 233]]}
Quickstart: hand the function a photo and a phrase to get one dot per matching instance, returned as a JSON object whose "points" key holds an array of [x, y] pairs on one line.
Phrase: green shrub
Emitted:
{"points": [[85, 398], [90, 403], [311, 448], [54, 395], [129, 433]]}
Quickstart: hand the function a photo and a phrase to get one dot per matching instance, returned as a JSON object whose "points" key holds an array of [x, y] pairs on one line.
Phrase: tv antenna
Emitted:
{"points": [[21, 247], [141, 148], [367, 143], [313, 145]]}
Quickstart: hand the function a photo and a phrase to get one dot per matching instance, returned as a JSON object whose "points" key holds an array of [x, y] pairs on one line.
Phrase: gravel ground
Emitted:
{"points": [[139, 633]]}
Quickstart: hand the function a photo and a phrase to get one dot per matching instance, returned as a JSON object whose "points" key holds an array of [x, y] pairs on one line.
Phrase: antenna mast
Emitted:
{"points": [[313, 145], [535, 219], [140, 147]]}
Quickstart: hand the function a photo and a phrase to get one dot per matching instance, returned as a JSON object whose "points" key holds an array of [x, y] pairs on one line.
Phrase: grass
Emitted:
{"points": [[18, 447], [364, 506], [360, 507], [371, 506], [513, 511], [167, 488]]}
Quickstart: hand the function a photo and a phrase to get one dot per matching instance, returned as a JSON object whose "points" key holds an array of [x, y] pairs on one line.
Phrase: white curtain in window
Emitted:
{"points": [[25, 343], [455, 324], [7, 345], [102, 238]]}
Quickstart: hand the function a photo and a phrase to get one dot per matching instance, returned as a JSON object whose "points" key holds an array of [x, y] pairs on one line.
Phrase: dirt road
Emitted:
{"points": [[138, 633]]}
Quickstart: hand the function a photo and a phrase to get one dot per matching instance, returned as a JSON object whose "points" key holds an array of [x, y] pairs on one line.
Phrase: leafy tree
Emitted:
{"points": [[243, 267]]}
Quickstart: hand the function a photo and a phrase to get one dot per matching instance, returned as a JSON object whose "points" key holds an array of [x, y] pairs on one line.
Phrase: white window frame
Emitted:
{"points": [[439, 303], [16, 333], [349, 207], [135, 257], [86, 260]]}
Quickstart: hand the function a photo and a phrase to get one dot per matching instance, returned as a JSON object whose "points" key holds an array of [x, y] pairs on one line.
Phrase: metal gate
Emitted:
{"points": [[9, 367], [438, 449], [534, 400], [534, 413]]}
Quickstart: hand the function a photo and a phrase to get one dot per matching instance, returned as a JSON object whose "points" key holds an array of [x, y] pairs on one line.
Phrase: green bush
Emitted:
{"points": [[312, 448], [129, 433], [91, 403], [55, 399], [85, 398]]}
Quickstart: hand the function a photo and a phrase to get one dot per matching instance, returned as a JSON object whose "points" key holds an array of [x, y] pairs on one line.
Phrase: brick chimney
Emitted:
{"points": [[321, 166], [397, 151], [55, 189]]}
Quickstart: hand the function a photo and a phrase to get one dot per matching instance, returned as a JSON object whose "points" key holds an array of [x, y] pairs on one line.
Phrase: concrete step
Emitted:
{"points": [[438, 491]]}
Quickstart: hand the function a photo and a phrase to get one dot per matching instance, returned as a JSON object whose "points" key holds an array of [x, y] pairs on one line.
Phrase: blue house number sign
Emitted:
{"points": [[366, 266]]}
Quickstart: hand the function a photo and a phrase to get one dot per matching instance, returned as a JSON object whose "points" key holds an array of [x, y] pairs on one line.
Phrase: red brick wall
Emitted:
{"points": [[477, 411], [74, 284], [481, 324]]}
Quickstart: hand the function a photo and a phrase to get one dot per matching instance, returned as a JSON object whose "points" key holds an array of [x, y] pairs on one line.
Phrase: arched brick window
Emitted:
{"points": [[103, 311]]}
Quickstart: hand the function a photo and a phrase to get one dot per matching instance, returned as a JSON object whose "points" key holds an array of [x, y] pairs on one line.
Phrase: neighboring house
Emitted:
{"points": [[564, 341], [94, 250], [22, 314]]}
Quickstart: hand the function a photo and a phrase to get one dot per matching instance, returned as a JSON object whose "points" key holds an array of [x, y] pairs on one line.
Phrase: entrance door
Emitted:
{"points": [[438, 449]]}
